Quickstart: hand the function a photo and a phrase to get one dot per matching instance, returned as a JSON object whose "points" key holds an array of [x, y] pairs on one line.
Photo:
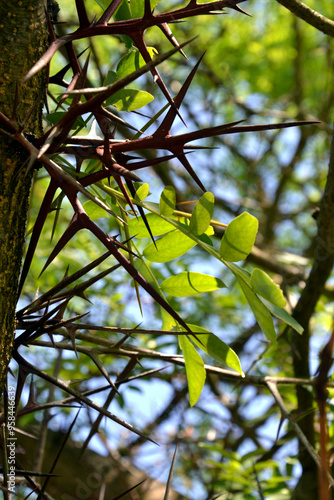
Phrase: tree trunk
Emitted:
{"points": [[23, 39]]}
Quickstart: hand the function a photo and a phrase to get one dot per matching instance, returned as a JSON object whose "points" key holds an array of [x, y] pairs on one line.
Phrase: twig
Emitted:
{"points": [[176, 359], [301, 436], [310, 16]]}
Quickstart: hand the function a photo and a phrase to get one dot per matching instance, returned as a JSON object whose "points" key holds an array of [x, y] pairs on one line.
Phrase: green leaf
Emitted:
{"points": [[94, 211], [261, 313], [142, 192], [195, 370], [141, 266], [205, 238], [168, 322], [239, 238], [157, 225], [103, 3], [169, 247], [58, 115], [123, 11], [167, 201], [154, 207], [263, 285], [92, 165], [110, 78], [132, 61], [283, 315], [137, 7], [209, 231], [202, 214], [190, 283], [121, 14], [216, 348], [129, 63], [129, 99]]}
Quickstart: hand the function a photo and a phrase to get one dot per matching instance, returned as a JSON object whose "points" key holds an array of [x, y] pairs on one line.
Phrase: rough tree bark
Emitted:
{"points": [[23, 39]]}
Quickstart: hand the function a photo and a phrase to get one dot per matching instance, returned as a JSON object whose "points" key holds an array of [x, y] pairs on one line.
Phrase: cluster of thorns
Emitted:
{"points": [[113, 154]]}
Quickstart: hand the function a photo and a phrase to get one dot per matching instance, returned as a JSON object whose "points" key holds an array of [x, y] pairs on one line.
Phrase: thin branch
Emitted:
{"points": [[310, 16], [176, 359], [301, 436]]}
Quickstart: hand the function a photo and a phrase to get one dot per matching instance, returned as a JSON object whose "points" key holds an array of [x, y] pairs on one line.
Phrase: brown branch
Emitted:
{"points": [[310, 16], [128, 350], [285, 414]]}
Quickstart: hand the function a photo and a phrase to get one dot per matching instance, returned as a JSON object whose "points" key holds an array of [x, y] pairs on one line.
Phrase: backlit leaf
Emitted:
{"points": [[195, 370], [168, 322], [94, 211], [209, 231], [142, 192], [282, 314], [190, 283], [137, 7], [263, 285], [129, 99], [123, 13], [169, 247], [157, 225], [103, 3], [132, 61], [216, 348], [202, 214], [140, 265], [239, 238], [261, 313], [167, 201]]}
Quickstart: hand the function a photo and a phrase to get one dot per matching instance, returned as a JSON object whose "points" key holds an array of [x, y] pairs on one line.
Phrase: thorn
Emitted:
{"points": [[103, 21], [82, 14], [31, 162], [168, 33], [58, 78], [49, 23], [237, 8], [165, 127]]}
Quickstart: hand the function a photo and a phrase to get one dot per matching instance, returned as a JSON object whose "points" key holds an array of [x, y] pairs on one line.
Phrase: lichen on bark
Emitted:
{"points": [[23, 39]]}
